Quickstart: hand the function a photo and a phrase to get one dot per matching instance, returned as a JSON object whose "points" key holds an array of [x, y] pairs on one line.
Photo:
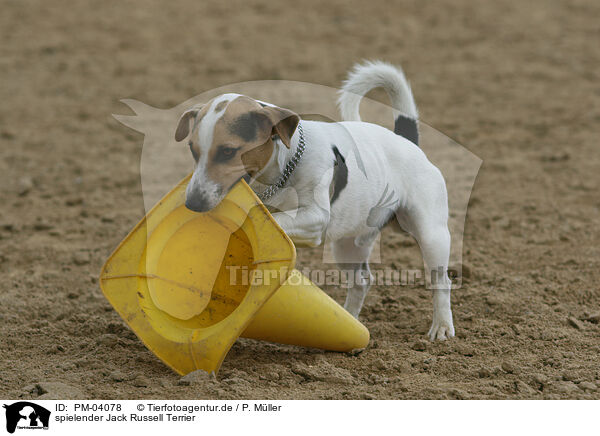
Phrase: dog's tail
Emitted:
{"points": [[369, 75]]}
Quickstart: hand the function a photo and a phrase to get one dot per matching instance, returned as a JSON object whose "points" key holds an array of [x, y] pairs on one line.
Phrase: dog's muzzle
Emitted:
{"points": [[196, 203], [202, 195]]}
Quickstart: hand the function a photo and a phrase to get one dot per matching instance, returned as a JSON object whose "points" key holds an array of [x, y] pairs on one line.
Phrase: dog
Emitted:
{"points": [[350, 178]]}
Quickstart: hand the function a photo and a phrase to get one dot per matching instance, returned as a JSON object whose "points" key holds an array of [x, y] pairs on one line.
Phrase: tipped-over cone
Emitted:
{"points": [[190, 284]]}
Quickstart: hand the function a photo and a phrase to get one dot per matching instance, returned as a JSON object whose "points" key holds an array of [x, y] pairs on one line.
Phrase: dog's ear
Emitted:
{"points": [[183, 126], [283, 122]]}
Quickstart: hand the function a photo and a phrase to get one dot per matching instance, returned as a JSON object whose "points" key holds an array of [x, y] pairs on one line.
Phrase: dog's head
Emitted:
{"points": [[230, 137]]}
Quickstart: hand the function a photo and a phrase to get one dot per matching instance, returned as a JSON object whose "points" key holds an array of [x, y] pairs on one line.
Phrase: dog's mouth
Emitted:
{"points": [[246, 178], [202, 203]]}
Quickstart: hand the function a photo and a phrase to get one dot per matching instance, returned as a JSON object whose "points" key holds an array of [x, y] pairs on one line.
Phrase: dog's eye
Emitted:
{"points": [[193, 150], [225, 153]]}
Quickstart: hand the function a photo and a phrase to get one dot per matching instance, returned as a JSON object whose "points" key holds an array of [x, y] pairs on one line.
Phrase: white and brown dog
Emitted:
{"points": [[350, 178]]}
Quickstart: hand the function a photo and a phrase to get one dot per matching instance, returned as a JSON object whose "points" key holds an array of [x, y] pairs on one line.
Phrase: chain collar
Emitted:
{"points": [[287, 171]]}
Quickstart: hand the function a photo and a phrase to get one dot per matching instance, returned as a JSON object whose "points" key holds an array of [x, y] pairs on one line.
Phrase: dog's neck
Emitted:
{"points": [[279, 158]]}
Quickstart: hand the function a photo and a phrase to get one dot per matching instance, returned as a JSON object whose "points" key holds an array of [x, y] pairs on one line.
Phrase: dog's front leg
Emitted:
{"points": [[353, 258], [307, 228]]}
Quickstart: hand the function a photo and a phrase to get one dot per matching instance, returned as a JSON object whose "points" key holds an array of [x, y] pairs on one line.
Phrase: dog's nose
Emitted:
{"points": [[196, 203]]}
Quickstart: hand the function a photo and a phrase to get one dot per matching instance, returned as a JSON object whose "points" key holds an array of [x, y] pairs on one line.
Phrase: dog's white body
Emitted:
{"points": [[372, 174]]}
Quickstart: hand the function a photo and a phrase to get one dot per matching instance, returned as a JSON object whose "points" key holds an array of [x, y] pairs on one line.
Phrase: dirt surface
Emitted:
{"points": [[516, 83]]}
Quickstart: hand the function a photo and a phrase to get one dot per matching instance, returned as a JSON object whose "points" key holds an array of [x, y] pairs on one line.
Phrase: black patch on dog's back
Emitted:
{"points": [[407, 127], [340, 174]]}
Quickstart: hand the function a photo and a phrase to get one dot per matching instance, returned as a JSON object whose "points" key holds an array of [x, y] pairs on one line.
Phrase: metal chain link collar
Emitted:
{"points": [[287, 171]]}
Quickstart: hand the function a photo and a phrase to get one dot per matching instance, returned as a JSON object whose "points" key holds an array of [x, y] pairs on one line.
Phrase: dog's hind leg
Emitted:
{"points": [[434, 240], [355, 259]]}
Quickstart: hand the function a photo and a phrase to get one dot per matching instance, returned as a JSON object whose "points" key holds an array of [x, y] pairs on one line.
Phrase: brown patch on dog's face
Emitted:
{"points": [[195, 149], [221, 105], [242, 143]]}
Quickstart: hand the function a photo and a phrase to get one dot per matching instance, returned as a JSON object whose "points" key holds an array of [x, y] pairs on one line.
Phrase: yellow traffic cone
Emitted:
{"points": [[190, 284], [300, 313]]}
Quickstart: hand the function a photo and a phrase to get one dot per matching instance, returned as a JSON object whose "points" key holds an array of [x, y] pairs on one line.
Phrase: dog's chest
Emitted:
{"points": [[285, 200]]}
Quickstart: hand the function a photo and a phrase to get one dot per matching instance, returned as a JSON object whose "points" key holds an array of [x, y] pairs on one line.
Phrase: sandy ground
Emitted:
{"points": [[517, 83]]}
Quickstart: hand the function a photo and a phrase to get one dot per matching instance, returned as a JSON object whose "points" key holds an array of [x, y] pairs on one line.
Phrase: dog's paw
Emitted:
{"points": [[442, 327]]}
